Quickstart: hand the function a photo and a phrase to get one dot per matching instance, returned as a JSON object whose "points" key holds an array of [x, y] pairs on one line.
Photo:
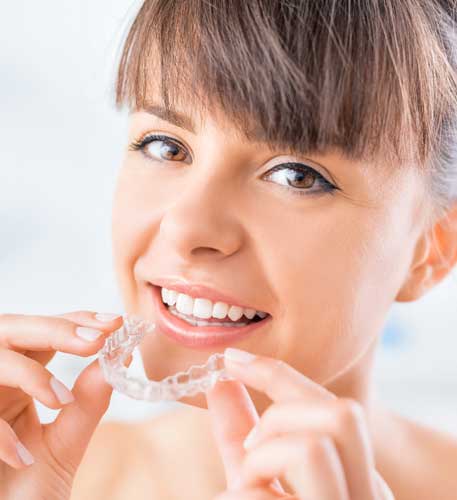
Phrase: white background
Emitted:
{"points": [[60, 148]]}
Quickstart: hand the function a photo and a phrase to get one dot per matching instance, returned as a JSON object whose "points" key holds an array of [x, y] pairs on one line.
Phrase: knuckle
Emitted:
{"points": [[268, 417], [9, 323], [6, 323], [274, 371], [316, 448], [32, 381], [350, 413], [27, 374], [61, 323]]}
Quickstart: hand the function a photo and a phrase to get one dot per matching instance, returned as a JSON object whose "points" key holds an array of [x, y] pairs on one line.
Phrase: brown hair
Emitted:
{"points": [[375, 79]]}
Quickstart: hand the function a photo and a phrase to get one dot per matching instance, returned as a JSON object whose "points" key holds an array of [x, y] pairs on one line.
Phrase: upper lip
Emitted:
{"points": [[196, 290]]}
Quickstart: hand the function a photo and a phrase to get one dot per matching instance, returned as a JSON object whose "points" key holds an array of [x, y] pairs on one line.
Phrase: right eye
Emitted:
{"points": [[160, 147]]}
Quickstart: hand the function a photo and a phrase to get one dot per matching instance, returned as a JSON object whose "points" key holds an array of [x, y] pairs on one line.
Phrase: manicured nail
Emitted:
{"points": [[238, 355], [64, 395], [107, 317], [88, 333], [24, 454], [250, 438]]}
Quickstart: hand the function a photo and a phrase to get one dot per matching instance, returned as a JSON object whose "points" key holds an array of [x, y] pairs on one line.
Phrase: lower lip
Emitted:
{"points": [[199, 337]]}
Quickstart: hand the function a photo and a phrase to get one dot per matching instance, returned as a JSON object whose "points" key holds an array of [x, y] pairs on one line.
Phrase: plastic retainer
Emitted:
{"points": [[121, 343]]}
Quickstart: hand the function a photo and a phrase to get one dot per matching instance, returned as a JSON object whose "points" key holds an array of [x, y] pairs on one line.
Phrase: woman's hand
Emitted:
{"points": [[27, 344], [319, 443]]}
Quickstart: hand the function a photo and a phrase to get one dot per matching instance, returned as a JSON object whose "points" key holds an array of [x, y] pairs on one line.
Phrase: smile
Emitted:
{"points": [[196, 321], [194, 310]]}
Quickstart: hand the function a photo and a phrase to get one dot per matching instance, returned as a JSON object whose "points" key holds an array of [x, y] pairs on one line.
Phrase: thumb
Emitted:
{"points": [[69, 435]]}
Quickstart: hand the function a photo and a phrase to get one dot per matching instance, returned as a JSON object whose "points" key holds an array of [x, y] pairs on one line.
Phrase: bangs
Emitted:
{"points": [[303, 76]]}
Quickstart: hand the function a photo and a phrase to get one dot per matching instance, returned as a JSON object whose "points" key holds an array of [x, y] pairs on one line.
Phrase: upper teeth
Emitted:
{"points": [[204, 308]]}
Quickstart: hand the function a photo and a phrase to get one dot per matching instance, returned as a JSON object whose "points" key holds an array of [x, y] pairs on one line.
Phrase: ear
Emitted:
{"points": [[434, 257]]}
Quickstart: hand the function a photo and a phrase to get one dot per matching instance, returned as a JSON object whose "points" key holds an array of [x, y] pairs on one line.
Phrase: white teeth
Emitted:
{"points": [[249, 313], [220, 310], [205, 323], [184, 303], [235, 313], [202, 308], [172, 297], [205, 309]]}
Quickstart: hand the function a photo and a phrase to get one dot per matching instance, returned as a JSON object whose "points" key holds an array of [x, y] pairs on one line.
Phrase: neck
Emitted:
{"points": [[355, 383]]}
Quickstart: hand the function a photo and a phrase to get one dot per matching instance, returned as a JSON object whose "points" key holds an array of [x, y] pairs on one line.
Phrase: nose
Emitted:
{"points": [[202, 224]]}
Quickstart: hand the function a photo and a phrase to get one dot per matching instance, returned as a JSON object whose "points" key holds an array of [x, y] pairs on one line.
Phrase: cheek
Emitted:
{"points": [[337, 274], [131, 226]]}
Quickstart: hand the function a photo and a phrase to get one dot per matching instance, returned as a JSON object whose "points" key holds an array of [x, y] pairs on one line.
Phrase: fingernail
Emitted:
{"points": [[107, 317], [64, 395], [88, 333], [250, 438], [24, 454], [238, 355]]}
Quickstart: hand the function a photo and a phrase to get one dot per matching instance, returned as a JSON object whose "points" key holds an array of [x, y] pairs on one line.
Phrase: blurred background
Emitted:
{"points": [[61, 143]]}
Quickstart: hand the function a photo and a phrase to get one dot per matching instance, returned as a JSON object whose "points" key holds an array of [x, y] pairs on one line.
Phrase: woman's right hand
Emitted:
{"points": [[27, 344]]}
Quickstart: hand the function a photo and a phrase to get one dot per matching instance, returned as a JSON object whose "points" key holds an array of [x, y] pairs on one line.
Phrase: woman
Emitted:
{"points": [[291, 170]]}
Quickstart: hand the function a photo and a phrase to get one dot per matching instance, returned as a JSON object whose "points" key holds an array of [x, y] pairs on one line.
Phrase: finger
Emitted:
{"points": [[19, 372], [343, 420], [252, 494], [11, 449], [56, 333], [232, 414], [309, 462], [278, 380], [43, 357], [382, 488], [70, 433]]}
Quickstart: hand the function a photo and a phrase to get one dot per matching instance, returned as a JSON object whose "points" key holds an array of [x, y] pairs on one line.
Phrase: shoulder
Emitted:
{"points": [[120, 450], [418, 461], [103, 461]]}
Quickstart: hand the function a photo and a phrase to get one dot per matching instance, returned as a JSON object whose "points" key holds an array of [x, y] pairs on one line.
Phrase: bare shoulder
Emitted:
{"points": [[128, 459], [101, 467], [418, 461]]}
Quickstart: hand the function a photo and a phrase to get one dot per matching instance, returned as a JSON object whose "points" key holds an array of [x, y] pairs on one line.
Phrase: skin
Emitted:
{"points": [[326, 267]]}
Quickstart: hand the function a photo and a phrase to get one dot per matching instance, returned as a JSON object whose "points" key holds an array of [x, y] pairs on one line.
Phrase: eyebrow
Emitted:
{"points": [[184, 121], [172, 116]]}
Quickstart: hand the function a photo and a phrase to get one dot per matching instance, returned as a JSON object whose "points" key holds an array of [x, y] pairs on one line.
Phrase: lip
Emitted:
{"points": [[197, 290], [199, 337]]}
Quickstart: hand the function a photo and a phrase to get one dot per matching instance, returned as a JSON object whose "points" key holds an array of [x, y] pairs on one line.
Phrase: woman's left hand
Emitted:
{"points": [[319, 443]]}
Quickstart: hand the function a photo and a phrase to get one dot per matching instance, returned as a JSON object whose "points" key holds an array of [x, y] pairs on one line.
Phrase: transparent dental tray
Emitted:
{"points": [[120, 345]]}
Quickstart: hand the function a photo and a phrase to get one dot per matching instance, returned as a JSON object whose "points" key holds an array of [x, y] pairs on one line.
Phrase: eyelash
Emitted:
{"points": [[326, 186]]}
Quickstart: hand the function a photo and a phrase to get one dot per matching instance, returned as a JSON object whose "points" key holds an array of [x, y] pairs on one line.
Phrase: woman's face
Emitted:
{"points": [[216, 210]]}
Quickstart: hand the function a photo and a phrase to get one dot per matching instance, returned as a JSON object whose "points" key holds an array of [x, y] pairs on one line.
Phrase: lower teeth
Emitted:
{"points": [[195, 322]]}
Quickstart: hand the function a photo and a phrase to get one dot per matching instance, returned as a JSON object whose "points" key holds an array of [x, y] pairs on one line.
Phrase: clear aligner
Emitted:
{"points": [[120, 345]]}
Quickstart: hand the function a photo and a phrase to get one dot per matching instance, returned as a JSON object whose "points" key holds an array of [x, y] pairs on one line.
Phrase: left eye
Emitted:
{"points": [[160, 148], [300, 178]]}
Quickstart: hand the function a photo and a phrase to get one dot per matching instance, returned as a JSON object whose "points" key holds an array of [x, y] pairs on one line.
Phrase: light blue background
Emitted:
{"points": [[61, 145]]}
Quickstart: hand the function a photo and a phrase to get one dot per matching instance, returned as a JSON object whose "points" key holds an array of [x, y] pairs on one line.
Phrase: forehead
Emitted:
{"points": [[193, 119]]}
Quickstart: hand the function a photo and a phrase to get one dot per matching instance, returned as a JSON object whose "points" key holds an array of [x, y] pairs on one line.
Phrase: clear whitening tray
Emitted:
{"points": [[120, 345]]}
